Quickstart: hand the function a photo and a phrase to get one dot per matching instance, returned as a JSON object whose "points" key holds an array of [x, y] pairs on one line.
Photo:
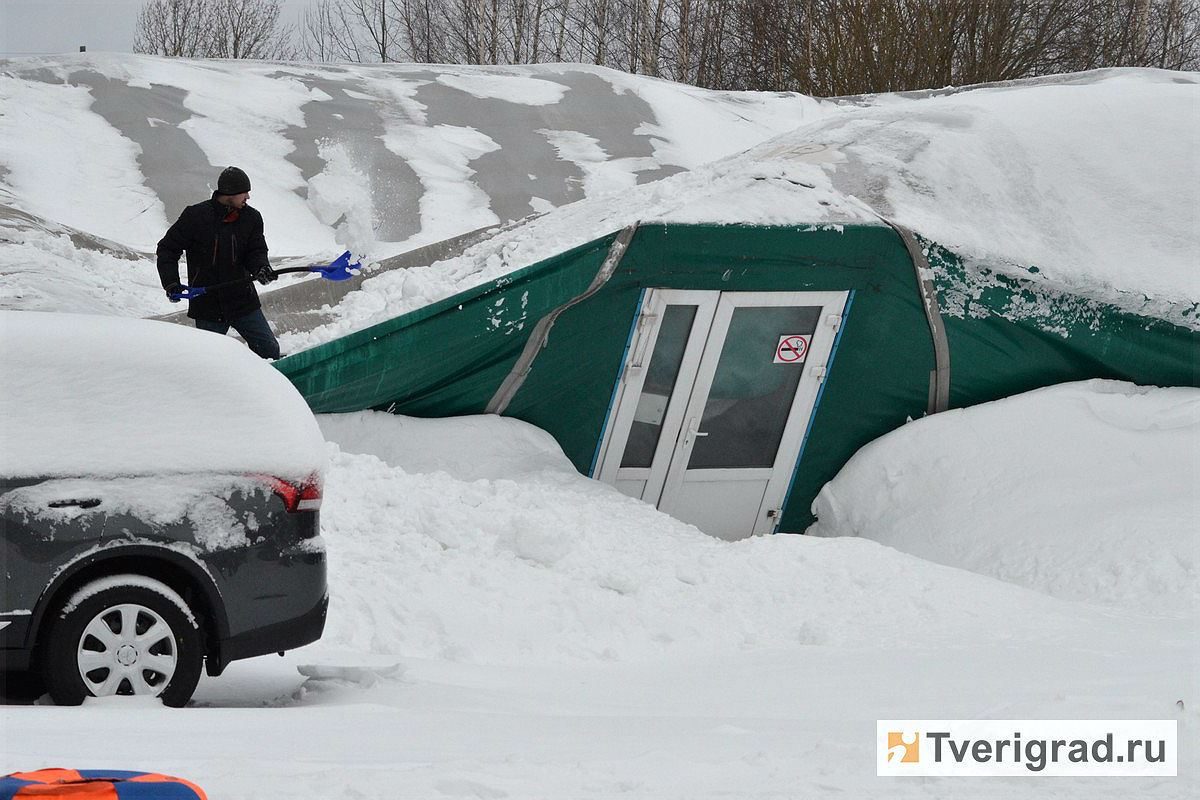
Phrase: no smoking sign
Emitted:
{"points": [[792, 348]]}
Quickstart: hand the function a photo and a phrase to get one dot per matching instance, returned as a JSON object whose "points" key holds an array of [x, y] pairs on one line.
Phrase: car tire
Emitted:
{"points": [[123, 635]]}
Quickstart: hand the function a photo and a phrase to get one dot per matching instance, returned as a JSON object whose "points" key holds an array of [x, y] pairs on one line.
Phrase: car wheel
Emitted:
{"points": [[123, 635]]}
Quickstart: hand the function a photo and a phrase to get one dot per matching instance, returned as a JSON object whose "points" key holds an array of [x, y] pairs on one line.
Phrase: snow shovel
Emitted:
{"points": [[337, 270]]}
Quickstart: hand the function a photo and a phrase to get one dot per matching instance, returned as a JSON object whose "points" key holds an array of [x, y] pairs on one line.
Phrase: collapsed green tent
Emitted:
{"points": [[720, 342], [455, 356]]}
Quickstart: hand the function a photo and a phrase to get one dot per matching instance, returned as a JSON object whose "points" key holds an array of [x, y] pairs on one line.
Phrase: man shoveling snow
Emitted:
{"points": [[226, 251]]}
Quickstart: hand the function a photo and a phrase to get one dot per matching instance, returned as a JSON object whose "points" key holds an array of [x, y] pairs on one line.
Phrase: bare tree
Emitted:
{"points": [[1108, 33], [424, 30], [173, 28], [213, 29], [350, 30], [371, 17], [713, 68], [318, 36], [249, 29], [820, 47], [525, 30]]}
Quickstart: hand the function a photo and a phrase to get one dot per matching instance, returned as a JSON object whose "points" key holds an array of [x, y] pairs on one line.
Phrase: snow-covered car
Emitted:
{"points": [[159, 494]]}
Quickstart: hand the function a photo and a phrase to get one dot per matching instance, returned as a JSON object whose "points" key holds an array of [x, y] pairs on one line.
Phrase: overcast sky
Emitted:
{"points": [[40, 27]]}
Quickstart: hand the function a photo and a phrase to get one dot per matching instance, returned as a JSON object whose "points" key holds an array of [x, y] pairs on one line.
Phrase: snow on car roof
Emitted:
{"points": [[87, 395]]}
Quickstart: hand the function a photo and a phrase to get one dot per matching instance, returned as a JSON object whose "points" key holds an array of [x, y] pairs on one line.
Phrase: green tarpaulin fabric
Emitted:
{"points": [[449, 358]]}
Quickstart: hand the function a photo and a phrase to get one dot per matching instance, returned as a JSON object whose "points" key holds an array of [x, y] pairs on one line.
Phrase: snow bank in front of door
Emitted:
{"points": [[461, 558], [1087, 491], [466, 448]]}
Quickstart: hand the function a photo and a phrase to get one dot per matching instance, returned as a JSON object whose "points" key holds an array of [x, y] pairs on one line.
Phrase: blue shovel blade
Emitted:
{"points": [[339, 269]]}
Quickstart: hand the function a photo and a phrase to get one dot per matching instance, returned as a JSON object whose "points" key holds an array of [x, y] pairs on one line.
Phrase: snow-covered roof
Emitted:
{"points": [[378, 158], [99, 152], [1093, 179]]}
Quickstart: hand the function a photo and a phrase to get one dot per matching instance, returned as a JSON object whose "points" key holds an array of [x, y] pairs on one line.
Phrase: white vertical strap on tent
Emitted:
{"points": [[541, 331], [939, 378]]}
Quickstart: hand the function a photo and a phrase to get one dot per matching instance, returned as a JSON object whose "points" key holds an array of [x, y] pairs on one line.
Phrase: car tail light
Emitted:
{"points": [[305, 496]]}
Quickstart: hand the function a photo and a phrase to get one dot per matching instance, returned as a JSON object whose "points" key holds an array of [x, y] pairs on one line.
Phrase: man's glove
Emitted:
{"points": [[265, 274], [174, 288]]}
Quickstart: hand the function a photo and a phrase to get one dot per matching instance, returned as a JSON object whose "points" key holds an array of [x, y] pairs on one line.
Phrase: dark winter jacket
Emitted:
{"points": [[217, 251]]}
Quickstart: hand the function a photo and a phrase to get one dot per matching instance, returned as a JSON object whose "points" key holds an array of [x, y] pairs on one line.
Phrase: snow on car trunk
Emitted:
{"points": [[105, 396]]}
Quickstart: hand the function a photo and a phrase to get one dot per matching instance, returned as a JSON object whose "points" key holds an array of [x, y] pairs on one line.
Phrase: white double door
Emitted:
{"points": [[714, 402]]}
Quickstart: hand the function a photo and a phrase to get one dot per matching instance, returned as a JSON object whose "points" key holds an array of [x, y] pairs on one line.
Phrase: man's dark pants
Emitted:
{"points": [[252, 327]]}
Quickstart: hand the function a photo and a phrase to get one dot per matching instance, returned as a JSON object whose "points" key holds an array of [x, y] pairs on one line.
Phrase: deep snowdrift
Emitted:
{"points": [[1087, 491], [501, 626], [476, 540]]}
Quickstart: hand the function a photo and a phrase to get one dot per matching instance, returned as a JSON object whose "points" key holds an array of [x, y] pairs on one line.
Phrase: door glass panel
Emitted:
{"points": [[661, 375], [751, 395]]}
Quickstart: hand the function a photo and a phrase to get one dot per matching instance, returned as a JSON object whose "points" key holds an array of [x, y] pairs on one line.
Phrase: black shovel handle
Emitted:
{"points": [[190, 292]]}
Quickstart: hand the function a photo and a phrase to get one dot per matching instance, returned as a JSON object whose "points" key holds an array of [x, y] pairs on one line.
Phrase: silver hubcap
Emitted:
{"points": [[126, 649]]}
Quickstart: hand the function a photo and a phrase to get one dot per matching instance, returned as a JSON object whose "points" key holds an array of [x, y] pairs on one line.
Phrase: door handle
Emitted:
{"points": [[692, 433], [86, 502]]}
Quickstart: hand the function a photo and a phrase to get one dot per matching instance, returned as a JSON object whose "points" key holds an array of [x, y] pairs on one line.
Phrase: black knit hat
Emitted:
{"points": [[233, 181]]}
